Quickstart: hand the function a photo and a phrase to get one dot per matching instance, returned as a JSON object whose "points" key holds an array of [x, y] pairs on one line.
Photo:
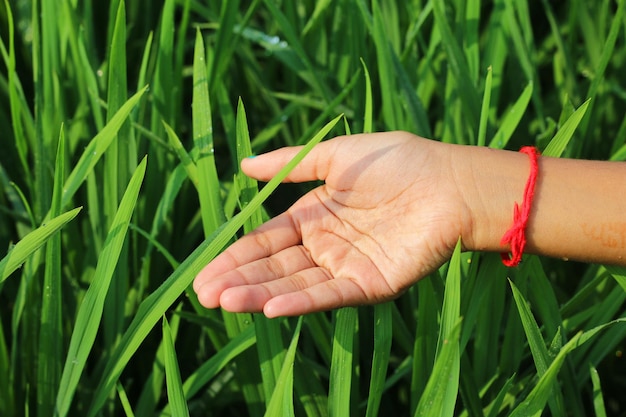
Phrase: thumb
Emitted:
{"points": [[315, 165]]}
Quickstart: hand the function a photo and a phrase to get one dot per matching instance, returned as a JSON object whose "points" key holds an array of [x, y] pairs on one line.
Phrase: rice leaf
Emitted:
{"points": [[386, 74], [558, 144], [425, 341], [512, 119], [91, 309], [541, 355], [598, 399], [533, 334], [153, 386], [433, 401], [187, 163], [119, 163], [50, 332], [33, 241], [542, 297], [416, 109], [91, 83], [536, 400], [317, 123], [281, 403], [450, 316], [175, 394], [484, 112], [521, 38], [618, 274], [209, 369], [494, 407], [309, 73], [607, 52], [248, 187], [163, 85], [314, 20], [471, 32], [7, 407], [451, 311], [458, 66], [341, 366], [121, 393], [16, 105], [159, 301], [368, 116], [226, 42], [214, 365], [208, 182], [96, 148], [383, 332]]}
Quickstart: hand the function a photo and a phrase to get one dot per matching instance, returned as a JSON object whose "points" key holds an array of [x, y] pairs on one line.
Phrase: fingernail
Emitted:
{"points": [[251, 156]]}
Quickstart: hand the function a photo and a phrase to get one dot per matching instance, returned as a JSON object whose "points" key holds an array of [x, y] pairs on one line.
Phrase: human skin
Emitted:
{"points": [[391, 210]]}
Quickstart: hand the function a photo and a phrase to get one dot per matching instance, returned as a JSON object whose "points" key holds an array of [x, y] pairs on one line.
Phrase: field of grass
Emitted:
{"points": [[121, 129]]}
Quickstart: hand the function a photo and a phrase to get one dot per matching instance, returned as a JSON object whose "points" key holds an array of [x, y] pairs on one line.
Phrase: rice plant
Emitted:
{"points": [[122, 125]]}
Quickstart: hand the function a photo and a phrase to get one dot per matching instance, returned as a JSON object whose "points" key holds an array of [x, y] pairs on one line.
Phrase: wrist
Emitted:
{"points": [[491, 182]]}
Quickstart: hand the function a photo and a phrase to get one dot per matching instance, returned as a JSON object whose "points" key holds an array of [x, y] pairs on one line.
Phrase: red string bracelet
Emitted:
{"points": [[516, 235]]}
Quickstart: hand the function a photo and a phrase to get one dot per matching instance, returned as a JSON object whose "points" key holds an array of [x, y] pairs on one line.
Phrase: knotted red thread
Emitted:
{"points": [[516, 235]]}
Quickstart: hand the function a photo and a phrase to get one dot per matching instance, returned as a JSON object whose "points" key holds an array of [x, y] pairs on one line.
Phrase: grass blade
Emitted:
{"points": [[484, 112], [558, 144], [535, 402], [533, 334], [383, 332], [215, 364], [119, 163], [281, 403], [458, 66], [512, 119], [51, 332], [433, 401], [208, 183], [368, 116], [33, 241], [248, 187], [175, 392], [15, 103], [310, 74], [185, 159], [607, 52], [386, 75], [163, 84], [153, 386], [450, 317], [598, 400], [121, 393], [90, 311], [341, 367], [96, 148], [540, 353]]}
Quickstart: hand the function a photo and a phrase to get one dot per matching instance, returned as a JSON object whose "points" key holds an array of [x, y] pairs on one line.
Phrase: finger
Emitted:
{"points": [[252, 298], [271, 237], [284, 263], [324, 296], [315, 165]]}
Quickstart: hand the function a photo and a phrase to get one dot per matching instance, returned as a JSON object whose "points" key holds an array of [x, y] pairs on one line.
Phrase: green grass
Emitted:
{"points": [[122, 127]]}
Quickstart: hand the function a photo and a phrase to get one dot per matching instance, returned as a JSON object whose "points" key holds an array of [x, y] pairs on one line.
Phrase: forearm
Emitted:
{"points": [[578, 211]]}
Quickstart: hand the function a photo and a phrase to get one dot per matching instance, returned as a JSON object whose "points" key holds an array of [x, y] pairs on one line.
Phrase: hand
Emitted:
{"points": [[389, 213]]}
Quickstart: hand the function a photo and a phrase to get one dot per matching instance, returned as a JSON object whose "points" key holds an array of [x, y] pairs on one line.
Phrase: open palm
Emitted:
{"points": [[389, 212]]}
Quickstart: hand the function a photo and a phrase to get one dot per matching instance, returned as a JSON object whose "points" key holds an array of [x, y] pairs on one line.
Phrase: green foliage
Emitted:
{"points": [[139, 113]]}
